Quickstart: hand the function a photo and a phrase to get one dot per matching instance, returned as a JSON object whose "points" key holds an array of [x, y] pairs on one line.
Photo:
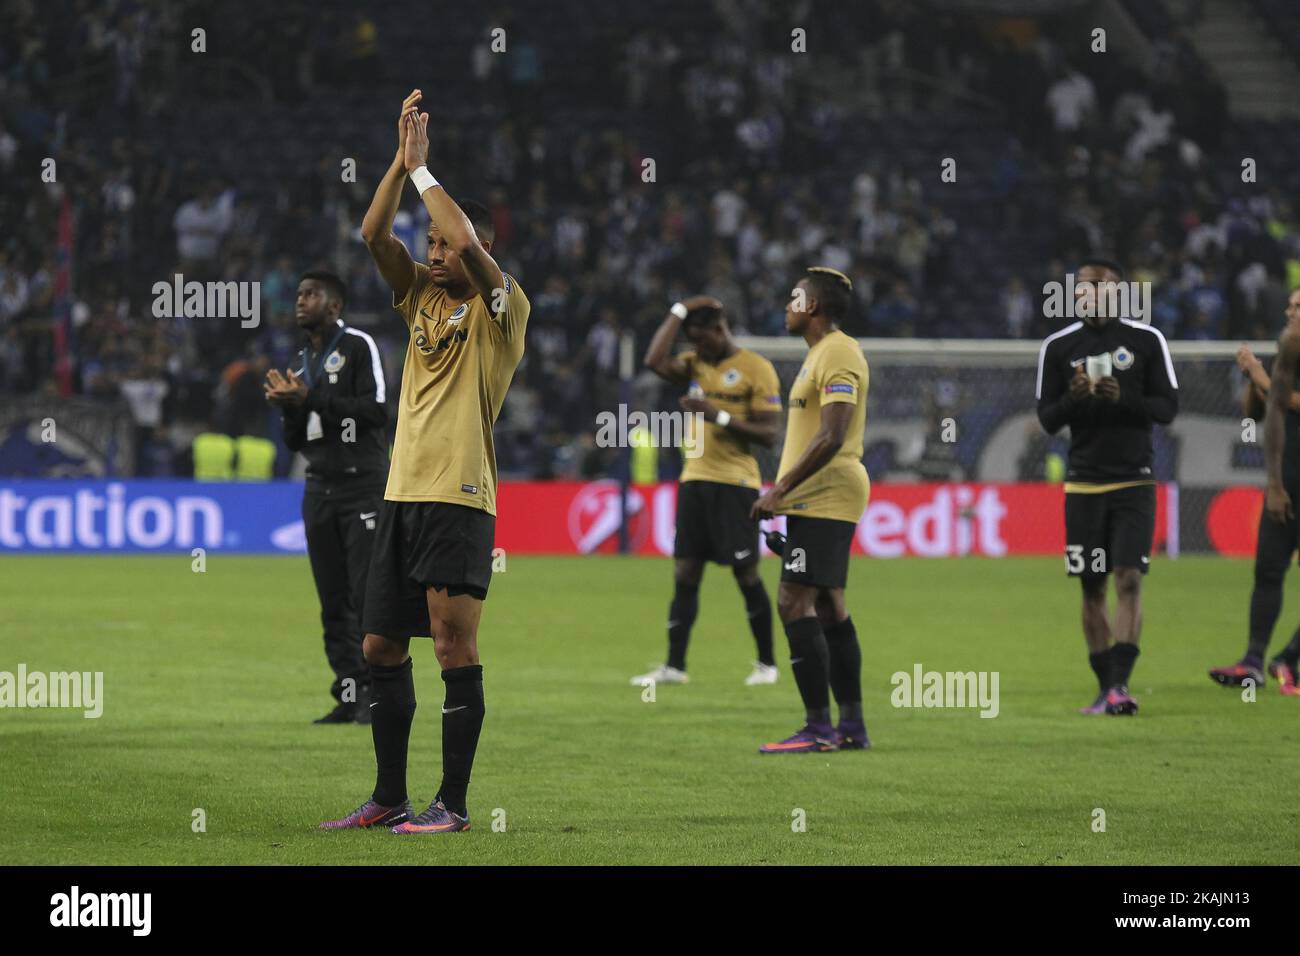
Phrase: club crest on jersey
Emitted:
{"points": [[455, 317], [334, 361], [1123, 358], [731, 376]]}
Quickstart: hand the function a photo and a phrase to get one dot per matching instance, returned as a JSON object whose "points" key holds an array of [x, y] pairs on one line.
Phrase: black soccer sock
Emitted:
{"points": [[462, 719], [392, 708], [1100, 663], [845, 668], [1291, 653], [809, 659], [759, 610], [1265, 606], [681, 618], [1122, 659]]}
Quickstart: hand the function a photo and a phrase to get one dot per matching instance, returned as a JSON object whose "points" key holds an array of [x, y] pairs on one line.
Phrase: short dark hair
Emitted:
{"points": [[1101, 262], [335, 286], [479, 218], [832, 289], [699, 318]]}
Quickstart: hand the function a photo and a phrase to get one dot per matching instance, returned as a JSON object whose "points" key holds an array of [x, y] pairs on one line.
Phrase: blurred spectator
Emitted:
{"points": [[201, 224], [1018, 307]]}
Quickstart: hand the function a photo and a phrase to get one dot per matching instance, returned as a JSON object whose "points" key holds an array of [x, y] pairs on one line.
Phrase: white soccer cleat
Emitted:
{"points": [[762, 674], [663, 674]]}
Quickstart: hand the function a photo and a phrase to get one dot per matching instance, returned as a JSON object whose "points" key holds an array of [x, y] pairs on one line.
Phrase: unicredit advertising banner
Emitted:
{"points": [[927, 520]]}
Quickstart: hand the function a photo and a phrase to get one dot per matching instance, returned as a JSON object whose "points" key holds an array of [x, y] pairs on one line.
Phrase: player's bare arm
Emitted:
{"points": [[658, 357], [450, 222], [1256, 396], [1281, 386], [835, 419], [760, 428], [392, 258]]}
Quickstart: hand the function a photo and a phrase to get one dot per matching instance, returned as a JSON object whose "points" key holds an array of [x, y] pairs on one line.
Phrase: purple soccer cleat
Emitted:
{"points": [[812, 738], [852, 735], [371, 814], [436, 819], [1098, 706], [1120, 703]]}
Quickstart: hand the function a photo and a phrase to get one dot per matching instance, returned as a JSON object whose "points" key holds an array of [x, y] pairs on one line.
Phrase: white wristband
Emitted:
{"points": [[723, 419], [678, 310], [423, 179]]}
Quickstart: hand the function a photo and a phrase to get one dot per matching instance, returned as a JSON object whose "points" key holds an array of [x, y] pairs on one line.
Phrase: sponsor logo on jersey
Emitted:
{"points": [[447, 341]]}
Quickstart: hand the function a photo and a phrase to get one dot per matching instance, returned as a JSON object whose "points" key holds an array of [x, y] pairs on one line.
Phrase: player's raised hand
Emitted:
{"points": [[1080, 385], [295, 388], [1246, 359], [417, 140], [273, 387], [1278, 504], [409, 105], [1108, 388]]}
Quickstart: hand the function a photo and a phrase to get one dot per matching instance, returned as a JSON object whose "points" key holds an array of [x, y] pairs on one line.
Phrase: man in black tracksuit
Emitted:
{"points": [[1110, 499], [335, 414]]}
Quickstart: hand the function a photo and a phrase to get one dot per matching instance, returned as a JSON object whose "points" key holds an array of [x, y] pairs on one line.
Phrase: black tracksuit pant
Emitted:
{"points": [[340, 522], [1277, 543]]}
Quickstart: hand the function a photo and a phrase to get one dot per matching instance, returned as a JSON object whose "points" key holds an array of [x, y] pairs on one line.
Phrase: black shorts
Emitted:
{"points": [[713, 523], [1278, 540], [817, 551], [420, 545], [1109, 530]]}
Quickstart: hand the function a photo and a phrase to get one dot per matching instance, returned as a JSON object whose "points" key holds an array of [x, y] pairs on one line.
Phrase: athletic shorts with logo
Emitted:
{"points": [[713, 523], [1109, 530]]}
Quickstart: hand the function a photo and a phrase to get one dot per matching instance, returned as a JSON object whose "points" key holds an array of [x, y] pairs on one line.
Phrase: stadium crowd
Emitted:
{"points": [[697, 153]]}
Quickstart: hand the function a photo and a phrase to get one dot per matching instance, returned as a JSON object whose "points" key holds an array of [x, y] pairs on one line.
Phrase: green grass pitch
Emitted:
{"points": [[211, 681]]}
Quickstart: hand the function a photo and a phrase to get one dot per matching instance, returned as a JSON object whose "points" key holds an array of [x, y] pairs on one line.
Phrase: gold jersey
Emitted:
{"points": [[741, 385], [835, 370], [459, 362]]}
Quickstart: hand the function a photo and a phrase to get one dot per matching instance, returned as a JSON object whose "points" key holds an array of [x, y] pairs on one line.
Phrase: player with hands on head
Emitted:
{"points": [[737, 394]]}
